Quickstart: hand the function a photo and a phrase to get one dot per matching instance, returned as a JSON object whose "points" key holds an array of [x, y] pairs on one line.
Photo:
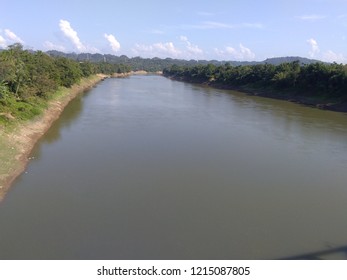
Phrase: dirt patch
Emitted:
{"points": [[17, 144]]}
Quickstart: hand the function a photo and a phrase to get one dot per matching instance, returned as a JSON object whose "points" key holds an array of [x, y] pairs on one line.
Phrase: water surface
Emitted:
{"points": [[149, 168]]}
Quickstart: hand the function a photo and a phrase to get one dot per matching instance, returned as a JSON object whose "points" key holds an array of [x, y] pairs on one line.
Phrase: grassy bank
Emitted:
{"points": [[20, 129]]}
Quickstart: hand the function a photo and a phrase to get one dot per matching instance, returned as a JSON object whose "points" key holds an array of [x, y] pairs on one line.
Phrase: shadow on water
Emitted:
{"points": [[337, 253], [71, 112]]}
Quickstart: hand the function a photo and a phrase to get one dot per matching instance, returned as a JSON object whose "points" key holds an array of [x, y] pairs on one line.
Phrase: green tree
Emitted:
{"points": [[69, 71], [14, 73]]}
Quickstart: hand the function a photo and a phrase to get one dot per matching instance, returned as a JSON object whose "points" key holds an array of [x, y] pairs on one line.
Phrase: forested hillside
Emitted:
{"points": [[159, 64], [28, 79], [135, 63], [317, 82]]}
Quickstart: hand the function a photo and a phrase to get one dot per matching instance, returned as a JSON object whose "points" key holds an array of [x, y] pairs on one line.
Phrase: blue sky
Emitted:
{"points": [[190, 29]]}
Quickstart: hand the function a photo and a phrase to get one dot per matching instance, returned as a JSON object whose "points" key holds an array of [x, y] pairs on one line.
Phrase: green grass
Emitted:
{"points": [[13, 110], [7, 152]]}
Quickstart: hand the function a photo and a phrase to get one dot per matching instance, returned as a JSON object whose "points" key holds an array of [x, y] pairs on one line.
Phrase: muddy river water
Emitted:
{"points": [[149, 168]]}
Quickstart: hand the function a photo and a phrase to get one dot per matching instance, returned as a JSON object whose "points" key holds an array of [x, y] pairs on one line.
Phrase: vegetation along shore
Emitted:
{"points": [[36, 86], [317, 84], [34, 89]]}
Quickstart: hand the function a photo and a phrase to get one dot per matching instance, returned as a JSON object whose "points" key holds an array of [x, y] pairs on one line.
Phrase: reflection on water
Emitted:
{"points": [[149, 168], [70, 114]]}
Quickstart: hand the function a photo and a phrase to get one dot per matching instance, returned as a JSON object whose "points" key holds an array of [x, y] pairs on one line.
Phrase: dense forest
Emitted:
{"points": [[315, 82], [28, 79]]}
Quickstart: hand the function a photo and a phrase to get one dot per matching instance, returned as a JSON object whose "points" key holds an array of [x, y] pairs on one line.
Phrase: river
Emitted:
{"points": [[149, 168]]}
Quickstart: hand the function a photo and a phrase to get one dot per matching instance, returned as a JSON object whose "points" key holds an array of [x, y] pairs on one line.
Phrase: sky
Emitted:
{"points": [[242, 30]]}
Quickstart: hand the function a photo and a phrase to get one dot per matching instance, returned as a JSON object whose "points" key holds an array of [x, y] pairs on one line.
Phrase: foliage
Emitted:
{"points": [[28, 79], [315, 80]]}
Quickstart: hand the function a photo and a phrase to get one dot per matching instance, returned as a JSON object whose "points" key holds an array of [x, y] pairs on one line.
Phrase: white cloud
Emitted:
{"points": [[231, 51], [10, 38], [71, 34], [168, 49], [242, 53], [193, 50], [330, 56], [246, 52], [314, 47], [13, 37], [312, 17], [162, 50], [2, 42], [51, 46], [114, 44]]}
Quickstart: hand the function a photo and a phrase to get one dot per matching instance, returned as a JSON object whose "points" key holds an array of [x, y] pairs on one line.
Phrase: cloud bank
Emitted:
{"points": [[169, 49], [193, 50], [230, 53], [161, 50]]}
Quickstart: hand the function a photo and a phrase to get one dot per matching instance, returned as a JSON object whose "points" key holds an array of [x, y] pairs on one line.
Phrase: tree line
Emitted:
{"points": [[28, 79], [318, 79], [154, 64], [159, 64]]}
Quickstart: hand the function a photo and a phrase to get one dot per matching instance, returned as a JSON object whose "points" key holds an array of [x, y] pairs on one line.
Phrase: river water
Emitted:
{"points": [[149, 168]]}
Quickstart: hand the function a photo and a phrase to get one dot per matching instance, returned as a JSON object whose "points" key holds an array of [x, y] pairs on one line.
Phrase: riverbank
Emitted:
{"points": [[127, 74], [291, 96], [131, 73], [16, 143]]}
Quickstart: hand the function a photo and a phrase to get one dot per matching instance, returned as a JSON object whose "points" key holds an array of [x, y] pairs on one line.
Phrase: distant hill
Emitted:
{"points": [[158, 64], [279, 60]]}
